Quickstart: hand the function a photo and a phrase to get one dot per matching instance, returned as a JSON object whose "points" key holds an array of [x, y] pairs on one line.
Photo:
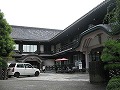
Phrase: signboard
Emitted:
{"points": [[80, 65]]}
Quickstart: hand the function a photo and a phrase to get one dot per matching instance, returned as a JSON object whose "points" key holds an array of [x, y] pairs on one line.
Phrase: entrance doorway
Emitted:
{"points": [[34, 60], [34, 63], [95, 54]]}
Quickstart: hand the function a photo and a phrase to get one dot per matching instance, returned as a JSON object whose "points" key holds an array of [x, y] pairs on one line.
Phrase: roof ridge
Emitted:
{"points": [[28, 27]]}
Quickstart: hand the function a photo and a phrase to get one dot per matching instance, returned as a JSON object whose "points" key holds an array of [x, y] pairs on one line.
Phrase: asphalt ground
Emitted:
{"points": [[51, 81]]}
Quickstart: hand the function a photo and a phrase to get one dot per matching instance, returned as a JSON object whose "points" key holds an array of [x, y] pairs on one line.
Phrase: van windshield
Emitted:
{"points": [[12, 65]]}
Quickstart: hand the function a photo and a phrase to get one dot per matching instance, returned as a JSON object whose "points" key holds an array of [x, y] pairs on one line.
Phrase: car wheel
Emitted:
{"points": [[17, 74], [36, 73], [9, 76], [28, 75]]}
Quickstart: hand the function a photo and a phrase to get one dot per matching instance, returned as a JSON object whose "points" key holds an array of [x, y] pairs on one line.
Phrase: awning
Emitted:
{"points": [[61, 59]]}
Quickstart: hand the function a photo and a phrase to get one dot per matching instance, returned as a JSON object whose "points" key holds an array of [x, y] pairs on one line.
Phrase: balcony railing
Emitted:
{"points": [[67, 46], [63, 48], [47, 52]]}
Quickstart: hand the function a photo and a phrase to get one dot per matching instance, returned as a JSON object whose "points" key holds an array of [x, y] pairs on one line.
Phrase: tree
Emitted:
{"points": [[6, 42], [111, 51], [111, 57], [113, 17]]}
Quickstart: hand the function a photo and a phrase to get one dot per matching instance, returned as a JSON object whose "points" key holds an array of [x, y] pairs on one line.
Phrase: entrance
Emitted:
{"points": [[96, 66], [34, 60], [95, 54], [34, 63]]}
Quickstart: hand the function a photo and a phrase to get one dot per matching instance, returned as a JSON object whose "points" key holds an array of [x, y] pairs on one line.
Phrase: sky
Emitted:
{"points": [[52, 14]]}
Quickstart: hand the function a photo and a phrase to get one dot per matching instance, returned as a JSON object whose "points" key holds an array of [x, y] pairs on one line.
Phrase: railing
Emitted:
{"points": [[47, 52], [64, 47], [67, 46]]}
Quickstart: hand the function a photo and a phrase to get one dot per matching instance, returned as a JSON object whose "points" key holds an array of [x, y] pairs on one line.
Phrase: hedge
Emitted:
{"points": [[114, 83]]}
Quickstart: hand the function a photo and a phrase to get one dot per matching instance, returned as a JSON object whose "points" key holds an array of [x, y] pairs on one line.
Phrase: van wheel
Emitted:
{"points": [[17, 74], [36, 73], [9, 76]]}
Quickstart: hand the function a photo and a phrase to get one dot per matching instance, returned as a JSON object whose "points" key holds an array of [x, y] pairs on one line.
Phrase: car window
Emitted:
{"points": [[20, 66], [12, 65], [28, 66]]}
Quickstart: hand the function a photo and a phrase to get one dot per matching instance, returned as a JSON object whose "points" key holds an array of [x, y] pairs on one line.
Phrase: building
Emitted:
{"points": [[33, 46], [81, 42]]}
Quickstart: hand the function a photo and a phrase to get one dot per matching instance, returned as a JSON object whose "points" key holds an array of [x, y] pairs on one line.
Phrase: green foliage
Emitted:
{"points": [[114, 84], [3, 63], [106, 57], [112, 66], [111, 55], [6, 42], [0, 62], [113, 18], [111, 51]]}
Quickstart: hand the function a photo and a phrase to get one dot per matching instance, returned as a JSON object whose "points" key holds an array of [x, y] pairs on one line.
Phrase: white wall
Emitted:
{"points": [[49, 62]]}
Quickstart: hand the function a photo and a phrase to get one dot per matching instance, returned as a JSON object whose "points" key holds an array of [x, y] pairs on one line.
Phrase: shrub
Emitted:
{"points": [[111, 51], [111, 54], [114, 83], [112, 66]]}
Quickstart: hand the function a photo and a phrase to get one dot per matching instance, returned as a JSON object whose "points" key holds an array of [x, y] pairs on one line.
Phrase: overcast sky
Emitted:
{"points": [[53, 14]]}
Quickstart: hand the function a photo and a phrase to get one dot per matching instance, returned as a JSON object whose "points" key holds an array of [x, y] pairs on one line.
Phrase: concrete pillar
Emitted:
{"points": [[21, 48], [38, 48], [87, 59]]}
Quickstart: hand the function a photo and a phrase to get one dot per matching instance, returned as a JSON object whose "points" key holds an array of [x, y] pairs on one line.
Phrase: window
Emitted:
{"points": [[58, 46], [52, 48], [47, 48], [29, 48], [12, 65], [16, 47], [28, 66], [75, 57], [95, 55], [20, 66], [42, 48]]}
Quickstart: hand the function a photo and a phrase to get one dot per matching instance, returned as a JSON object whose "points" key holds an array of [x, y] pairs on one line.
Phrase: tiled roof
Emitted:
{"points": [[33, 34]]}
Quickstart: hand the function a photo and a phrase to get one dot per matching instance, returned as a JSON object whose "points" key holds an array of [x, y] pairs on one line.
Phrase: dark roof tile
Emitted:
{"points": [[33, 34]]}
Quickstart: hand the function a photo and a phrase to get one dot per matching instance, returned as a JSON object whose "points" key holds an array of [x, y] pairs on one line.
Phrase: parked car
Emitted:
{"points": [[22, 69]]}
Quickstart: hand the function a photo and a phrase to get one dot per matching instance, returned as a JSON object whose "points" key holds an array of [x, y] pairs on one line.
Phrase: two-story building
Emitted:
{"points": [[81, 42]]}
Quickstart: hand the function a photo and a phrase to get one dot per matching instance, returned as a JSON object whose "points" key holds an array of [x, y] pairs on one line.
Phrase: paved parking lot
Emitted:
{"points": [[51, 81], [56, 77]]}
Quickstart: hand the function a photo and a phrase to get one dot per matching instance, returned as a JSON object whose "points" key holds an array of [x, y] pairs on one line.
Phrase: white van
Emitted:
{"points": [[20, 69]]}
